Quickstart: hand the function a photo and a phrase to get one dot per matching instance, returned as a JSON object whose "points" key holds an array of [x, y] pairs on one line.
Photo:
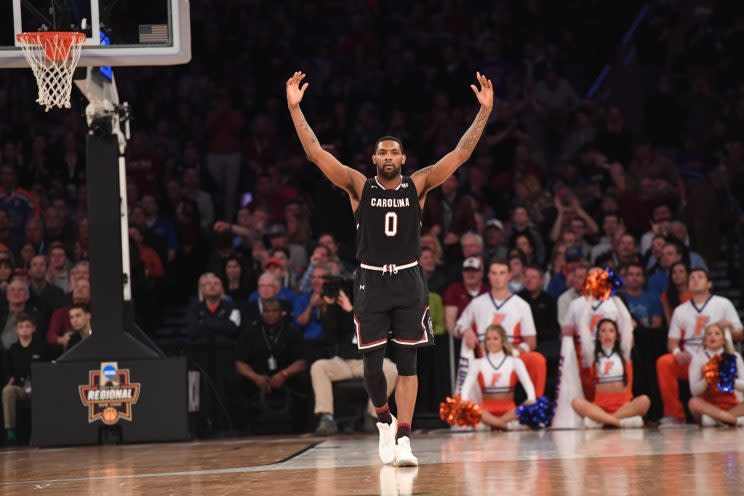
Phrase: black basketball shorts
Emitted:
{"points": [[391, 306]]}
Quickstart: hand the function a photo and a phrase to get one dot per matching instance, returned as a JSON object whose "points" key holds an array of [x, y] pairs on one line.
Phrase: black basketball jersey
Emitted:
{"points": [[388, 224]]}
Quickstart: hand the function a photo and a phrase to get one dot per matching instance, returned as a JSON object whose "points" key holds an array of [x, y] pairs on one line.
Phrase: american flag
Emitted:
{"points": [[153, 33]]}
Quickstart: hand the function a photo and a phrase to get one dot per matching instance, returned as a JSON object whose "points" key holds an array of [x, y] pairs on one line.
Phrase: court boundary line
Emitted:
{"points": [[217, 471]]}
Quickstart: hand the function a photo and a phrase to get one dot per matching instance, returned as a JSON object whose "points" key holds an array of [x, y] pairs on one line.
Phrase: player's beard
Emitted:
{"points": [[395, 172]]}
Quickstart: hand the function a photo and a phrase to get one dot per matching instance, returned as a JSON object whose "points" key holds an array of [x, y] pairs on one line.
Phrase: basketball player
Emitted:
{"points": [[685, 339], [501, 308], [390, 295]]}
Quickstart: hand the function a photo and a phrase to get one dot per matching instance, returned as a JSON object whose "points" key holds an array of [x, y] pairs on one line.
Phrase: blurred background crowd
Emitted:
{"points": [[615, 140]]}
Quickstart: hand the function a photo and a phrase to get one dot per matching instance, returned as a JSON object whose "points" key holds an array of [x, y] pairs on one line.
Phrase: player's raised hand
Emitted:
{"points": [[485, 93], [294, 91]]}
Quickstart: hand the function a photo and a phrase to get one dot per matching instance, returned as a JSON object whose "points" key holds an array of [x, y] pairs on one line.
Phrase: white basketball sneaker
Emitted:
{"points": [[403, 454], [387, 440]]}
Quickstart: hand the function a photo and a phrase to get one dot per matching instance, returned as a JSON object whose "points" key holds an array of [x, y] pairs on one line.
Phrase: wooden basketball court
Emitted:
{"points": [[632, 462]]}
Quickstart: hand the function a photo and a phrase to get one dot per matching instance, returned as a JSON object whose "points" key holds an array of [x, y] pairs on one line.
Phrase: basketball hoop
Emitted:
{"points": [[53, 57]]}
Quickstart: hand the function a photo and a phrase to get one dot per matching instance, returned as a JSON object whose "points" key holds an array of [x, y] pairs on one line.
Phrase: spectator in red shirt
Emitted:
{"points": [[60, 320], [459, 294]]}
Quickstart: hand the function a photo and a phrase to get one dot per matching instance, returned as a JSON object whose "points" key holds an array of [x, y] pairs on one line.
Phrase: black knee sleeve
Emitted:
{"points": [[374, 379], [405, 360]]}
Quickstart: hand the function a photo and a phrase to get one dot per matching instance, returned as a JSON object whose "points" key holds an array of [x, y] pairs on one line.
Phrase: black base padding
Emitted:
{"points": [[157, 411]]}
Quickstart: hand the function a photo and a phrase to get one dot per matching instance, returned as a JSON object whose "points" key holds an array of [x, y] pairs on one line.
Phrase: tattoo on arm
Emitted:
{"points": [[422, 172], [472, 135], [306, 127]]}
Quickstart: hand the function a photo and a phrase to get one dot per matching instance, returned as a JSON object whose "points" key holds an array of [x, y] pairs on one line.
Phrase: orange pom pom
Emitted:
{"points": [[598, 285], [454, 411], [711, 371], [602, 284], [448, 409], [469, 414]]}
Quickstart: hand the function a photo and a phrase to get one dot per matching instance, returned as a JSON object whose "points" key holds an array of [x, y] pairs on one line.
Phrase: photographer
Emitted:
{"points": [[337, 320]]}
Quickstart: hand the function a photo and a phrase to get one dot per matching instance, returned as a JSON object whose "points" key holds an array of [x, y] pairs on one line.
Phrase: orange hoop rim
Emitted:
{"points": [[38, 37], [56, 44]]}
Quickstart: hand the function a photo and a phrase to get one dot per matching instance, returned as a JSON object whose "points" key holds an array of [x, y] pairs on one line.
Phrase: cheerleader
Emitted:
{"points": [[497, 373], [607, 356], [710, 406], [575, 379]]}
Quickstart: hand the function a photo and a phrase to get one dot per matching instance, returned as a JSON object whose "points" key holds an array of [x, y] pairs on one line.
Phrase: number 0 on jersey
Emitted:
{"points": [[391, 224]]}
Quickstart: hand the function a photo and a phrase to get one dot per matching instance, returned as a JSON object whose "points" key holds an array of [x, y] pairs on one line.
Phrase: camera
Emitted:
{"points": [[332, 285]]}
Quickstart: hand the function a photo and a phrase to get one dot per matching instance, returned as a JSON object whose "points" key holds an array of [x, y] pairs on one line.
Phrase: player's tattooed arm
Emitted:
{"points": [[308, 130], [472, 135], [434, 175], [346, 178]]}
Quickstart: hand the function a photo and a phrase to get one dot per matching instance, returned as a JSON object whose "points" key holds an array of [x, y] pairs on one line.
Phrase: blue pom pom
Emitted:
{"points": [[538, 414], [727, 373], [616, 282]]}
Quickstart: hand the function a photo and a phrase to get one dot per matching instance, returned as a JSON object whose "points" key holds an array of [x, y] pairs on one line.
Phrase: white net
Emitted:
{"points": [[53, 57]]}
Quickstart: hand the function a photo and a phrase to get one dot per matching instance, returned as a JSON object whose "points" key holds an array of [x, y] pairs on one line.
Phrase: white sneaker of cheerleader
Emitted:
{"points": [[635, 422]]}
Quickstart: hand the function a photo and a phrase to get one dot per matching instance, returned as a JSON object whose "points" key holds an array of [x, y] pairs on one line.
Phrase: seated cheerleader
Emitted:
{"points": [[710, 406], [497, 373], [613, 403]]}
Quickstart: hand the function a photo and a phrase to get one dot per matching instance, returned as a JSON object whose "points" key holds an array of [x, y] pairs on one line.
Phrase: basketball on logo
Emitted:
{"points": [[110, 415]]}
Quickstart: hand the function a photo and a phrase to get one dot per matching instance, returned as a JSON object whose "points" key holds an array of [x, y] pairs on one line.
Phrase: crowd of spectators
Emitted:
{"points": [[227, 217]]}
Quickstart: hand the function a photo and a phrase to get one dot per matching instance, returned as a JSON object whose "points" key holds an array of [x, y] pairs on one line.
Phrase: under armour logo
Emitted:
{"points": [[361, 286]]}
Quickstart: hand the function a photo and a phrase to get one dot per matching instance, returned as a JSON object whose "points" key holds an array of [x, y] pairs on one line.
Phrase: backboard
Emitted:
{"points": [[118, 32]]}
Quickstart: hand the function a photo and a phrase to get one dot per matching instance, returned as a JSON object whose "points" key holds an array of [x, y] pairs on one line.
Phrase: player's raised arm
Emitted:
{"points": [[434, 175], [342, 176]]}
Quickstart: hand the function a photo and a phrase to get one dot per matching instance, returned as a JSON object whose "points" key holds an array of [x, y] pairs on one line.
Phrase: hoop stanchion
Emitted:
{"points": [[53, 57]]}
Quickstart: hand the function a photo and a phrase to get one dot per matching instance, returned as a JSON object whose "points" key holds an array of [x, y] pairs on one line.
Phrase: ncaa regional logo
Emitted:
{"points": [[109, 395]]}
